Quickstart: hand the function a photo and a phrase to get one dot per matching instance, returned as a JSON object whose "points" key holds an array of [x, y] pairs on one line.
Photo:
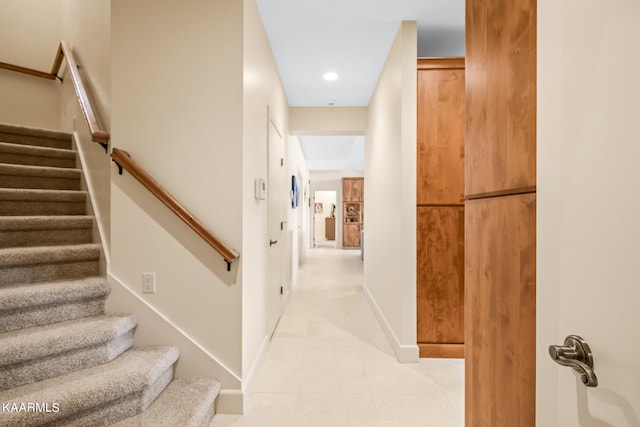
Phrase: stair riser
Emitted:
{"points": [[208, 415], [29, 207], [43, 315], [24, 159], [35, 140], [46, 272], [154, 390], [39, 182], [12, 239], [53, 366]]}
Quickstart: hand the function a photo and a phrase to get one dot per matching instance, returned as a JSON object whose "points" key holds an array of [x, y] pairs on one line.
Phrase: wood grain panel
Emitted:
{"points": [[441, 128], [353, 189], [440, 262], [351, 235], [442, 351], [500, 301], [330, 228], [442, 62], [500, 152]]}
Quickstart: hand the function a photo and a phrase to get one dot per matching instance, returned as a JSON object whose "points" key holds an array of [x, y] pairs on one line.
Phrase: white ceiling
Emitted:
{"points": [[352, 38], [333, 153]]}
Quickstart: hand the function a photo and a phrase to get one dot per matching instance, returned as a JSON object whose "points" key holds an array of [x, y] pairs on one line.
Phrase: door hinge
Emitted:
{"points": [[281, 225], [281, 161], [281, 290]]}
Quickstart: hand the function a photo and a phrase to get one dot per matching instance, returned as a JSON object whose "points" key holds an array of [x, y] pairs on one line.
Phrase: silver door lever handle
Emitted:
{"points": [[272, 242], [576, 354]]}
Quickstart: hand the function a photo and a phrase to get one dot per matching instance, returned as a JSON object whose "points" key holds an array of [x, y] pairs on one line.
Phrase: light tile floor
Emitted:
{"points": [[330, 364]]}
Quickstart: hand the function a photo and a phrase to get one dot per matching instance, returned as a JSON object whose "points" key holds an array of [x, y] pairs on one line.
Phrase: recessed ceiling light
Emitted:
{"points": [[331, 77]]}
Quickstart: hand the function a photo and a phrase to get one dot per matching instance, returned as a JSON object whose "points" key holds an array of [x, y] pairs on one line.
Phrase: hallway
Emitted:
{"points": [[330, 364]]}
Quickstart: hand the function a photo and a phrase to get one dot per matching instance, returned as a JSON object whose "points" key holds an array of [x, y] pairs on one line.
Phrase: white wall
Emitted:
{"points": [[86, 27], [177, 109], [30, 31], [298, 218], [263, 95], [390, 196], [330, 121], [550, 126]]}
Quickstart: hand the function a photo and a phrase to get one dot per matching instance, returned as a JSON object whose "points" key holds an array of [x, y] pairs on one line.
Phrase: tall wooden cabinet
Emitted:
{"points": [[352, 211], [440, 207], [500, 214]]}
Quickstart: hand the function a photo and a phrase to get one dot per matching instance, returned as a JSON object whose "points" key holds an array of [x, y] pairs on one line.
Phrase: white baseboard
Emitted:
{"points": [[91, 190], [404, 353], [230, 402], [250, 380]]}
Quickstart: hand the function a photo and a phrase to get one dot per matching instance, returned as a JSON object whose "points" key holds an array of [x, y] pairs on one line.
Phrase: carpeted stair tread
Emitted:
{"points": [[39, 195], [185, 403], [33, 304], [42, 177], [34, 136], [41, 352], [42, 341], [48, 254], [101, 394], [45, 222], [47, 171], [14, 297], [45, 230], [36, 156], [47, 263], [32, 202]]}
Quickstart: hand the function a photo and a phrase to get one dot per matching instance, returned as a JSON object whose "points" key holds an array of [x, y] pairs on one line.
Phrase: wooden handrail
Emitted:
{"points": [[124, 161], [98, 134], [29, 71], [122, 158]]}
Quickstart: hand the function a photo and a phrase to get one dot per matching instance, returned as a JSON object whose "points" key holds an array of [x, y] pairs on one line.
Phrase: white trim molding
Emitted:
{"points": [[404, 353], [195, 361], [230, 402]]}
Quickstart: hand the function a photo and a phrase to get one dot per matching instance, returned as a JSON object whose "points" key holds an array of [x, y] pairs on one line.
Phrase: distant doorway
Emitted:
{"points": [[324, 219]]}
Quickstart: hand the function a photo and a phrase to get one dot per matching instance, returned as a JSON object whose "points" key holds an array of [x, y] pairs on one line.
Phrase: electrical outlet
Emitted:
{"points": [[149, 283]]}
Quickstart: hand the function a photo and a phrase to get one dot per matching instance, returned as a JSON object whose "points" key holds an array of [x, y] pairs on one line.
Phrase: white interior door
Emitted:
{"points": [[275, 220], [588, 213]]}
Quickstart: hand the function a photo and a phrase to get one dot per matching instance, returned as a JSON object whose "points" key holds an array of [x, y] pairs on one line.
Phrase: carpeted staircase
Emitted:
{"points": [[63, 361]]}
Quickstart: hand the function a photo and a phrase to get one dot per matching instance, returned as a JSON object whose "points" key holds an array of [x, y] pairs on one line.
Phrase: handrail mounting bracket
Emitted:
{"points": [[119, 166]]}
